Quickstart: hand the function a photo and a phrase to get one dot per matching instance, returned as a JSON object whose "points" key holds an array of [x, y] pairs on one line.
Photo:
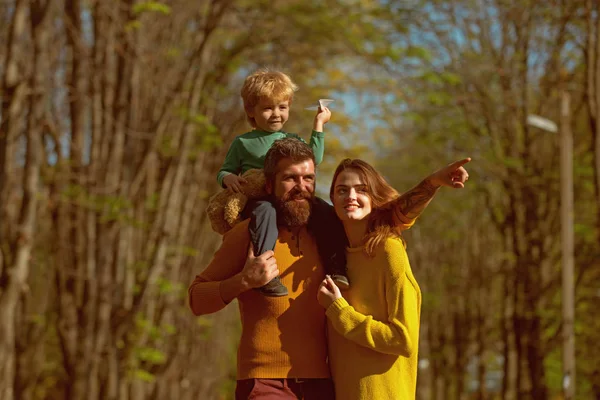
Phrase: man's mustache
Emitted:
{"points": [[297, 194]]}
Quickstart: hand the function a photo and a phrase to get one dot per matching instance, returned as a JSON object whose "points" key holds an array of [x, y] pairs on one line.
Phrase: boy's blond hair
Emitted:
{"points": [[266, 83]]}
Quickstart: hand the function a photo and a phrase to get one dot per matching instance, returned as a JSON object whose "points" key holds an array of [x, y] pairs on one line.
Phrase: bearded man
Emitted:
{"points": [[282, 352]]}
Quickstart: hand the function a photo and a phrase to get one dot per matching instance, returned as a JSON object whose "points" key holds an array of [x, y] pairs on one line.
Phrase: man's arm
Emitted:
{"points": [[231, 272], [412, 203]]}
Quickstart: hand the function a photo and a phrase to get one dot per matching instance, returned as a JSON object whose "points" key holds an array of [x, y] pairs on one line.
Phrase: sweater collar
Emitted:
{"points": [[265, 132]]}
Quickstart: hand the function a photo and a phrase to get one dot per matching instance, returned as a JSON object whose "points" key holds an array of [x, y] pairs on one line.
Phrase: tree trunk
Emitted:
{"points": [[16, 268], [592, 87]]}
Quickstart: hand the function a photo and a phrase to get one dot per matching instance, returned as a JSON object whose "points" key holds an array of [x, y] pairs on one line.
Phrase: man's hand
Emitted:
{"points": [[328, 292], [258, 271], [234, 182], [454, 175], [323, 116]]}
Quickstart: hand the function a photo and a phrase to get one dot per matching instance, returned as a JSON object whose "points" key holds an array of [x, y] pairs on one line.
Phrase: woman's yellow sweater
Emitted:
{"points": [[374, 329]]}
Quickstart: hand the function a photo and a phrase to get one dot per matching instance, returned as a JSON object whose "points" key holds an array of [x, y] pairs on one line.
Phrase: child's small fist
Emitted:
{"points": [[323, 115], [234, 182]]}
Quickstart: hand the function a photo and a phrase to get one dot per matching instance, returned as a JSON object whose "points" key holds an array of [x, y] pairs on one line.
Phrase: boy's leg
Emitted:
{"points": [[263, 234], [331, 241]]}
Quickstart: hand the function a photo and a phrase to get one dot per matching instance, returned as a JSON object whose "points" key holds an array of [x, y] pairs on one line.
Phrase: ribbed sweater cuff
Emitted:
{"points": [[336, 308], [206, 298], [220, 177]]}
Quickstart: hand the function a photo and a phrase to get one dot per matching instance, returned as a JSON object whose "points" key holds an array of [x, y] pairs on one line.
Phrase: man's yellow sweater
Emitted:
{"points": [[374, 329], [282, 337]]}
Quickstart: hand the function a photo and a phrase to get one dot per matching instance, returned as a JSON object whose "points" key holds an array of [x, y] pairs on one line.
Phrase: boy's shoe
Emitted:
{"points": [[341, 281], [273, 289]]}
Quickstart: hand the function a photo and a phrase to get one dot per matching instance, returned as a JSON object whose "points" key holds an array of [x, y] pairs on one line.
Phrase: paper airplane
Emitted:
{"points": [[321, 103], [542, 123]]}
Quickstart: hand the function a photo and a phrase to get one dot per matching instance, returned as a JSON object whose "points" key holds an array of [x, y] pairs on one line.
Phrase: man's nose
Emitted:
{"points": [[303, 184]]}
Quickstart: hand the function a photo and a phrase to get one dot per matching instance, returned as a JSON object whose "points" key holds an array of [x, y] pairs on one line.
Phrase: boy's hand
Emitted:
{"points": [[323, 116], [234, 182]]}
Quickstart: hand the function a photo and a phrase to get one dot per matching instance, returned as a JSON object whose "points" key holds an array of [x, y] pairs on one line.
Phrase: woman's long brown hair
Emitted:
{"points": [[381, 220]]}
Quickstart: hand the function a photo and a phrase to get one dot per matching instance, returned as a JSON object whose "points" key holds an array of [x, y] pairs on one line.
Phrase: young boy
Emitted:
{"points": [[267, 97]]}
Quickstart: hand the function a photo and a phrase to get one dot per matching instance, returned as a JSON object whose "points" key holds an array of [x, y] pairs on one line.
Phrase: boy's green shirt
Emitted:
{"points": [[249, 150]]}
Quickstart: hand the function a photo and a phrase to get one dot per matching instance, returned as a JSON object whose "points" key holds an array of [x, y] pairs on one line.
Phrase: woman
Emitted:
{"points": [[374, 327]]}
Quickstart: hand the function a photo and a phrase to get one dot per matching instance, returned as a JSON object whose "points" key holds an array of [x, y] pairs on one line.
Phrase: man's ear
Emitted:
{"points": [[269, 187], [249, 111]]}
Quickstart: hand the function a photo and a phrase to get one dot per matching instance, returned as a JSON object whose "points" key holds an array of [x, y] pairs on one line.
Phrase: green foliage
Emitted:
{"points": [[206, 134], [133, 25], [451, 78], [418, 52], [431, 77], [110, 208], [114, 207], [439, 99], [151, 355], [143, 375], [553, 370], [152, 202], [151, 6], [205, 325], [158, 333], [166, 286], [585, 232], [183, 250], [204, 194], [167, 147]]}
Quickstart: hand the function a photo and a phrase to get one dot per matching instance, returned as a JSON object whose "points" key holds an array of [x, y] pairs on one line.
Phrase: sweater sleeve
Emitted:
{"points": [[204, 296], [400, 333], [233, 161], [317, 144]]}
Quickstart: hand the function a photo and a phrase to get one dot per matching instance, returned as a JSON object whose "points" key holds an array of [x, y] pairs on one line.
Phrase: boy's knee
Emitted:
{"points": [[264, 208], [264, 211]]}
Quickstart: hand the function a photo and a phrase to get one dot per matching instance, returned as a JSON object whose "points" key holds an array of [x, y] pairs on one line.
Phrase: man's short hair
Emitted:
{"points": [[288, 148], [266, 83]]}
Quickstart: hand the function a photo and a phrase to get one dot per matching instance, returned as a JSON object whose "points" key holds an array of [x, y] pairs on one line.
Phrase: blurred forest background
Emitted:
{"points": [[116, 115]]}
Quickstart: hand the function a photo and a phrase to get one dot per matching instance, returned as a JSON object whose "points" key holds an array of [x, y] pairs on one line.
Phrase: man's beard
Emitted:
{"points": [[291, 213]]}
